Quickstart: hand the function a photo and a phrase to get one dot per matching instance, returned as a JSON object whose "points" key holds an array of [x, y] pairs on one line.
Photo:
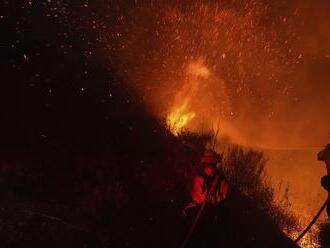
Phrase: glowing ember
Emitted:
{"points": [[308, 241]]}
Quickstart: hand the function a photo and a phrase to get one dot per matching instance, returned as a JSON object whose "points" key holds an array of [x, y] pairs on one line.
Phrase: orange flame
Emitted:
{"points": [[180, 118], [183, 111]]}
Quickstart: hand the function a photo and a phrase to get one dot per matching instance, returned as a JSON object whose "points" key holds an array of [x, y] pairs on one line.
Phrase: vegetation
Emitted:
{"points": [[245, 169], [252, 196]]}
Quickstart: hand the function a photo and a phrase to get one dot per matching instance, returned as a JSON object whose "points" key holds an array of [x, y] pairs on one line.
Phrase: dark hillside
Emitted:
{"points": [[83, 164]]}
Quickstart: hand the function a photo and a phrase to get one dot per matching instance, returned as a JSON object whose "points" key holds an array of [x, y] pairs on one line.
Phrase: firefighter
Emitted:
{"points": [[324, 156], [206, 171], [212, 224]]}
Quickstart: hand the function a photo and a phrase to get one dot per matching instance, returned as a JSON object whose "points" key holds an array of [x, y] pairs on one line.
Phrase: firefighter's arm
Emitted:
{"points": [[198, 194]]}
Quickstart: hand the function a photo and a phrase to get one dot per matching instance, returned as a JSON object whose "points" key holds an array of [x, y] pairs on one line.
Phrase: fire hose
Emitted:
{"points": [[312, 222], [199, 213]]}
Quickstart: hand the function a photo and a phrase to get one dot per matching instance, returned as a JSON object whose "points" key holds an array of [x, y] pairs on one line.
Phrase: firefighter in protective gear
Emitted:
{"points": [[204, 177], [212, 224], [324, 156]]}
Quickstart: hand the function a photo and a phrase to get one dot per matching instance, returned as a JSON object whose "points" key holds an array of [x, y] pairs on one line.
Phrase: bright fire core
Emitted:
{"points": [[179, 118], [184, 110]]}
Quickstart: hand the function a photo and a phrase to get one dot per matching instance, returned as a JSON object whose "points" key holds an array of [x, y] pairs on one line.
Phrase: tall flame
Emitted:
{"points": [[182, 111], [179, 118]]}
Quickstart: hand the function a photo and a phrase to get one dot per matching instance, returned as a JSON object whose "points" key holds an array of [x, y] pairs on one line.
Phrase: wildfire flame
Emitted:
{"points": [[179, 118], [182, 112]]}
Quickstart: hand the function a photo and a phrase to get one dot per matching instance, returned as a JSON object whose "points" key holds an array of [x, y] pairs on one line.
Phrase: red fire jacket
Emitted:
{"points": [[201, 188]]}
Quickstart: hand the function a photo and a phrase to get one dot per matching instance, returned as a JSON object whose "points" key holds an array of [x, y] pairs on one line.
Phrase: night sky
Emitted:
{"points": [[57, 88]]}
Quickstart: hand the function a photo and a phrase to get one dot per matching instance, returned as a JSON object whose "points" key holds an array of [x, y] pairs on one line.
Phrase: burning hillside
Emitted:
{"points": [[247, 65], [251, 72], [108, 106]]}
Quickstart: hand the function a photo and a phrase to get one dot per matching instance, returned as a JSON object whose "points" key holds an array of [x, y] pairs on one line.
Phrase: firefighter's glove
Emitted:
{"points": [[325, 182]]}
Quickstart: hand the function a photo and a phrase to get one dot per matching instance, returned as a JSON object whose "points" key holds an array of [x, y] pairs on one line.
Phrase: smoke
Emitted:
{"points": [[260, 67]]}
